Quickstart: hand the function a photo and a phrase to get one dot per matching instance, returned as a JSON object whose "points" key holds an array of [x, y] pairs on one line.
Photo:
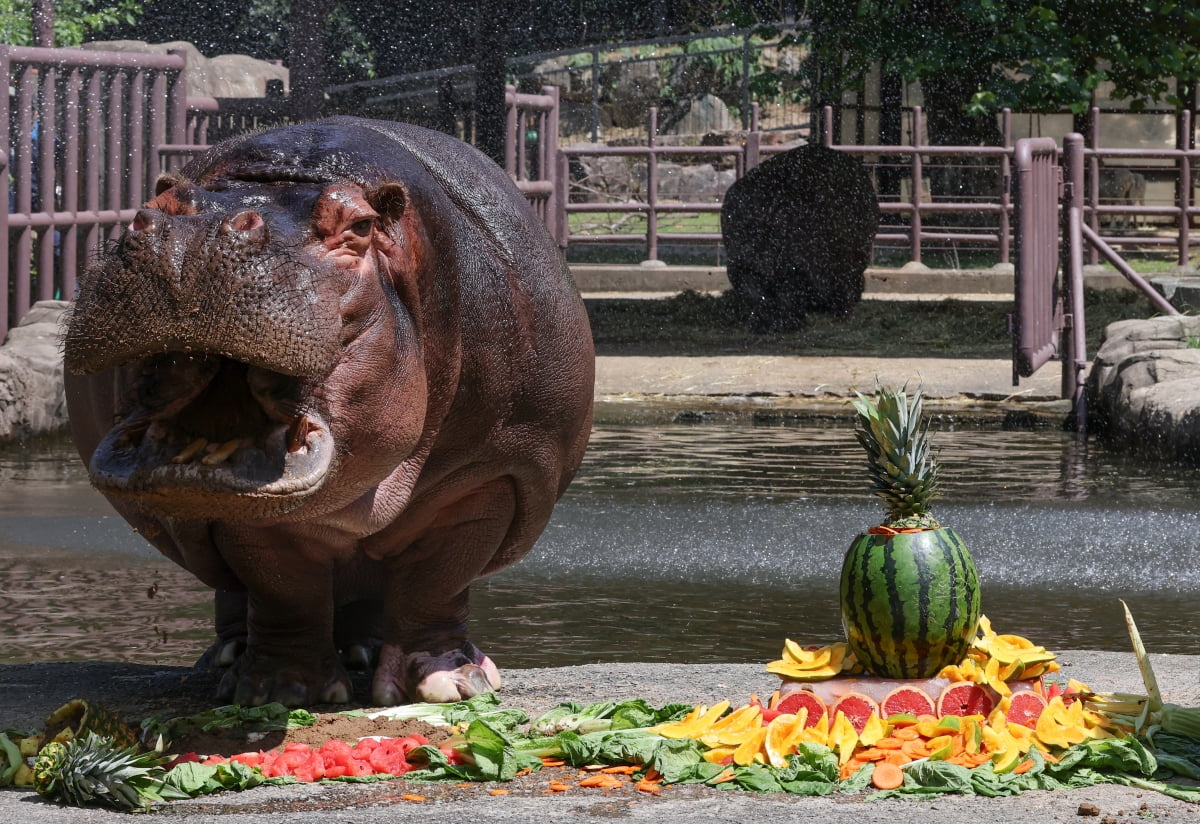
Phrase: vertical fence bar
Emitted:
{"points": [[510, 128], [114, 127], [142, 164], [94, 140], [24, 166], [69, 252], [550, 166], [10, 200], [652, 186], [1092, 186], [1183, 184], [1074, 345], [918, 183], [1005, 184], [46, 121]]}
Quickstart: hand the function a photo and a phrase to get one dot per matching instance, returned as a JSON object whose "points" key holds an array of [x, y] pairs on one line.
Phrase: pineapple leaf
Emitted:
{"points": [[903, 471]]}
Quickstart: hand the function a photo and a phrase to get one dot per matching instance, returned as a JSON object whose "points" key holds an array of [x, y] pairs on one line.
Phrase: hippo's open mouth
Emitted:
{"points": [[215, 425]]}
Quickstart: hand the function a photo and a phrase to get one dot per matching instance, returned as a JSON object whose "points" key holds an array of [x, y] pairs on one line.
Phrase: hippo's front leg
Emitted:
{"points": [[426, 654], [290, 655]]}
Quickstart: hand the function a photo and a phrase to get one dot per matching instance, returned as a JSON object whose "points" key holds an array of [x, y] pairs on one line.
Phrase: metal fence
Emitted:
{"points": [[76, 135]]}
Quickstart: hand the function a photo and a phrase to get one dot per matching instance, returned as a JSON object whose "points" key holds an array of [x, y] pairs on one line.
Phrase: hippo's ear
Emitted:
{"points": [[388, 200], [164, 182]]}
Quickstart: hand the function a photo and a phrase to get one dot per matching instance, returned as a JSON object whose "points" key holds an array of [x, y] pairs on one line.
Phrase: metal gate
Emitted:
{"points": [[1037, 298]]}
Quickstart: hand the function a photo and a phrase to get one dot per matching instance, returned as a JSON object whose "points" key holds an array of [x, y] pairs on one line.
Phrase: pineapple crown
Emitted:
{"points": [[903, 471]]}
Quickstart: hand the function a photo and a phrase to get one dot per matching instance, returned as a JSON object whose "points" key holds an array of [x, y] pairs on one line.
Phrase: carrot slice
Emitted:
{"points": [[916, 749], [621, 769], [651, 787], [898, 758], [889, 743], [887, 776], [871, 754], [905, 733], [1024, 767]]}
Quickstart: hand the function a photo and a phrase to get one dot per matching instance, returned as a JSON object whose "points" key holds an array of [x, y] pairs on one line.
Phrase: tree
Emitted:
{"points": [[74, 21]]}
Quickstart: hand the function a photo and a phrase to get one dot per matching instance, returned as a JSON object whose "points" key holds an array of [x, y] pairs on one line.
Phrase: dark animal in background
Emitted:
{"points": [[798, 231], [338, 371]]}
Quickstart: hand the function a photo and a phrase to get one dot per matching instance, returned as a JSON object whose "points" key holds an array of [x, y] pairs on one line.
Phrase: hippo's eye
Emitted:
{"points": [[363, 227]]}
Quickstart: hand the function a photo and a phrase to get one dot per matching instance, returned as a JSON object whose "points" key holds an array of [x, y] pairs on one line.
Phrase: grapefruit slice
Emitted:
{"points": [[906, 700], [1025, 708], [857, 708], [803, 699], [965, 698]]}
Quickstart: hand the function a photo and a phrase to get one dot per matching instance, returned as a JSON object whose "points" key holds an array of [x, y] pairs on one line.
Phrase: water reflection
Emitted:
{"points": [[684, 542]]}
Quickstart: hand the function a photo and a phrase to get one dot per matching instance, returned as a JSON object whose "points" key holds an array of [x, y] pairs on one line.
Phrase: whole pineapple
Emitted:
{"points": [[904, 473], [91, 771], [909, 589]]}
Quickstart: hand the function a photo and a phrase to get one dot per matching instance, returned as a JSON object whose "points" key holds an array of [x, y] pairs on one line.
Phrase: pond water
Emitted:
{"points": [[685, 542]]}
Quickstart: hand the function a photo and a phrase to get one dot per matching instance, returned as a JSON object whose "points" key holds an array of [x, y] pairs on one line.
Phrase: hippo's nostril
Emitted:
{"points": [[246, 222], [146, 220]]}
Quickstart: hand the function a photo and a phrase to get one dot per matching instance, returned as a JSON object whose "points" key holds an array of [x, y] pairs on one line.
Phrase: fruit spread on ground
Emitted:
{"points": [[992, 707]]}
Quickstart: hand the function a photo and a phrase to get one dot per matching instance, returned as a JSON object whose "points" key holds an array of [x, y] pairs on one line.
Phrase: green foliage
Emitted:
{"points": [[1030, 55], [74, 20]]}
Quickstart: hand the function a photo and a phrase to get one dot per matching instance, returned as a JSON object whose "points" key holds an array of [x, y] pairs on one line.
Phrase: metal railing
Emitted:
{"points": [[77, 138]]}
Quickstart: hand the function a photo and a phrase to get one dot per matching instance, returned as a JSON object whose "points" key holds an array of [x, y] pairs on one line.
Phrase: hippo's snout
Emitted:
{"points": [[224, 283]]}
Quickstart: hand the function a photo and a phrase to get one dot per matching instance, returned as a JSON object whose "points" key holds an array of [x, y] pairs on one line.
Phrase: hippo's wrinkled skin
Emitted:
{"points": [[379, 332]]}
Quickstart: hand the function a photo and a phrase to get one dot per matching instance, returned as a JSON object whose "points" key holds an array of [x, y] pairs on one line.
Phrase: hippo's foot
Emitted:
{"points": [[293, 678], [224, 652], [450, 675]]}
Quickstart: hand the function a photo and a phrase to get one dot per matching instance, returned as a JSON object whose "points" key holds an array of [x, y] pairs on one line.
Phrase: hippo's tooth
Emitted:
{"points": [[298, 436], [190, 451], [222, 452]]}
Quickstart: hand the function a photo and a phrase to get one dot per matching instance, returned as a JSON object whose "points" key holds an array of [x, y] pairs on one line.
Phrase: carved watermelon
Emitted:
{"points": [[910, 602]]}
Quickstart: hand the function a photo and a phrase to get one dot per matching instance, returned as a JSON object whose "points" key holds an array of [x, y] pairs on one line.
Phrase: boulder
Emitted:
{"points": [[798, 232], [1143, 389], [226, 75], [31, 383], [701, 115]]}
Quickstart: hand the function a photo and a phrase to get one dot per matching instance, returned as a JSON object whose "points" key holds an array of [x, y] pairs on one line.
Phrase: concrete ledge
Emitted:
{"points": [[913, 279]]}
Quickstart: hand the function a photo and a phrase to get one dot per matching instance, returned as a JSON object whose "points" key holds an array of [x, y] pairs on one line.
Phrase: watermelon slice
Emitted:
{"points": [[906, 700], [965, 699], [857, 708], [803, 699], [1025, 708]]}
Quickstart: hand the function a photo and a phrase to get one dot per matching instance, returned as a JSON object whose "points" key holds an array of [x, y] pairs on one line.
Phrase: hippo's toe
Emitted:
{"points": [[449, 676], [256, 679]]}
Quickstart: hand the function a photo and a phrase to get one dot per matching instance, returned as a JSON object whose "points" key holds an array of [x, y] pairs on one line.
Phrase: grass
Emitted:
{"points": [[698, 324]]}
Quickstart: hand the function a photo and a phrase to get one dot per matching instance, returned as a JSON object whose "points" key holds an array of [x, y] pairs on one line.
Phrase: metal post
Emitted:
{"points": [[595, 95], [1093, 179], [918, 180], [652, 186], [1183, 185], [5, 143], [1005, 185], [1074, 342], [746, 80]]}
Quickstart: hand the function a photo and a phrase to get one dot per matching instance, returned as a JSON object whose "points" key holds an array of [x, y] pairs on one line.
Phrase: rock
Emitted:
{"points": [[1144, 386], [798, 230], [227, 75], [703, 114], [698, 183], [31, 385]]}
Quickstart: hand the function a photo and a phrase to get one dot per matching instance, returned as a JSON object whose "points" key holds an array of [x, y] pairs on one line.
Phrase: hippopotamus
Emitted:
{"points": [[338, 371]]}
